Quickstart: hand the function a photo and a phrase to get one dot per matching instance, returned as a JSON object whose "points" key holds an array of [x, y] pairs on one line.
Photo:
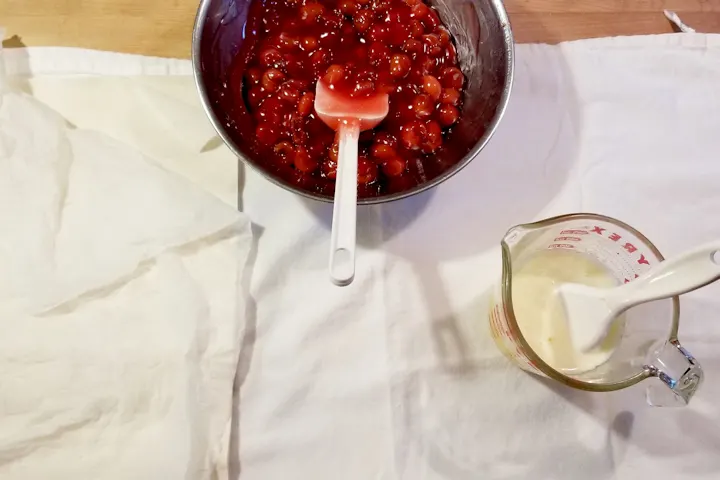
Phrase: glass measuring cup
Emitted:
{"points": [[647, 344]]}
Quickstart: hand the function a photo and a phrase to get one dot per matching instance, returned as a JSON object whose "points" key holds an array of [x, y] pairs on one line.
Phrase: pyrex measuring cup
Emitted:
{"points": [[647, 344]]}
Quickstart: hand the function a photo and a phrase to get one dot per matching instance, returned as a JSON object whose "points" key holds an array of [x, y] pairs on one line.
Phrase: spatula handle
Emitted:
{"points": [[681, 274], [342, 239]]}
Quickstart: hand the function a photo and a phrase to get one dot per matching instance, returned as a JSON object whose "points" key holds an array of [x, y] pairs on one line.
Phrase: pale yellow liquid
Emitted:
{"points": [[541, 316]]}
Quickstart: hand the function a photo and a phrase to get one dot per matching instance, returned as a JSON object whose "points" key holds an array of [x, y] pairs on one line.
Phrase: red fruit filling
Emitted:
{"points": [[359, 47]]}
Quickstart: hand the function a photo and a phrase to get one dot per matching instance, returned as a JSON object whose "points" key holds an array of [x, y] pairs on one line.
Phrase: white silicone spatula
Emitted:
{"points": [[348, 116], [590, 311]]}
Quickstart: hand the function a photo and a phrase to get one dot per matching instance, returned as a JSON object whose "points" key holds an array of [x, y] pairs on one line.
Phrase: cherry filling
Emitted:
{"points": [[359, 47]]}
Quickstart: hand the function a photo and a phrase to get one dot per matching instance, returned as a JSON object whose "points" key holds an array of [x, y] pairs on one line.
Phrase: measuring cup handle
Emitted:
{"points": [[679, 372]]}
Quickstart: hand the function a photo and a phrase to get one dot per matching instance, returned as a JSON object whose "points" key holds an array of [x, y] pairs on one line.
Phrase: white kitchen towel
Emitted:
{"points": [[121, 306], [396, 377]]}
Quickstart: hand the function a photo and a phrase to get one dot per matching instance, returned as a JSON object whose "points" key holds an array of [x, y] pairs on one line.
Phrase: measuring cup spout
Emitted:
{"points": [[679, 372]]}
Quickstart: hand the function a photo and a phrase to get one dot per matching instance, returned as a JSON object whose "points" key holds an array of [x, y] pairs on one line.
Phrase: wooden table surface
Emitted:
{"points": [[162, 27]]}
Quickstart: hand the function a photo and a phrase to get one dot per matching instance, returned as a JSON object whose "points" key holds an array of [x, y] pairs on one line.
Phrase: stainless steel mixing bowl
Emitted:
{"points": [[485, 52]]}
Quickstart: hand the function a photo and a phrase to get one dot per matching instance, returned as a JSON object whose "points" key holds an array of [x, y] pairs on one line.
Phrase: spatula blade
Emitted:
{"points": [[587, 313]]}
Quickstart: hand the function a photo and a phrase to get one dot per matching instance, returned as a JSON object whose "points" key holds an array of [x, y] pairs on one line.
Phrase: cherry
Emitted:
{"points": [[270, 112], [432, 45], [378, 53], [450, 96], [425, 65], [423, 106], [382, 151], [294, 64], [330, 40], [433, 137], [287, 42], [266, 134], [271, 57], [363, 20], [447, 115], [310, 12], [299, 134], [255, 96], [309, 43], [272, 78], [385, 138], [378, 33], [420, 10], [412, 135], [347, 7], [386, 87], [334, 74], [398, 35], [367, 171], [332, 19], [399, 65], [362, 83], [363, 88], [398, 16], [393, 167], [318, 147], [444, 36], [452, 77], [303, 161], [412, 46], [333, 151], [306, 104], [416, 28], [318, 59], [431, 20], [289, 92], [348, 33], [380, 6], [366, 74], [284, 149], [431, 86]]}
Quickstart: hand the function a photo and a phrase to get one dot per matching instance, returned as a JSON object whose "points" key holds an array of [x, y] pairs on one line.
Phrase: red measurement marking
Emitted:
{"points": [[509, 334], [630, 248], [560, 245], [627, 280], [568, 239], [574, 232]]}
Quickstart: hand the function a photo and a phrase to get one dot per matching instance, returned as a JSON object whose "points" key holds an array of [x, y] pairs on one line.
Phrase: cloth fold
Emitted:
{"points": [[121, 306]]}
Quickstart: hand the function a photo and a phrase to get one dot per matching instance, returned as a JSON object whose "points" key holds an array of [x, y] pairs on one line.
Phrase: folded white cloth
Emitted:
{"points": [[121, 306], [396, 377]]}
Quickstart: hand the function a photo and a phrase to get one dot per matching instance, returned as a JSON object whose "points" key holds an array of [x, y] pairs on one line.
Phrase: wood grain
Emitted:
{"points": [[163, 27]]}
